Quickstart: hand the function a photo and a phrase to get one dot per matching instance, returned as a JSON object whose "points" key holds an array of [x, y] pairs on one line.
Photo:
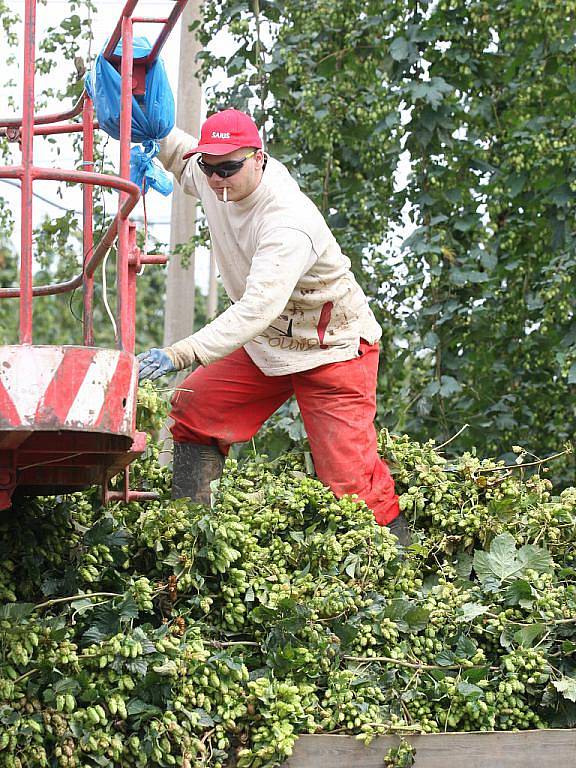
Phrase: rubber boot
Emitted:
{"points": [[399, 527], [194, 468]]}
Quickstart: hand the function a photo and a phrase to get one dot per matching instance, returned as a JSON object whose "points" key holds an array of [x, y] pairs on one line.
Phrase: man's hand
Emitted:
{"points": [[153, 364]]}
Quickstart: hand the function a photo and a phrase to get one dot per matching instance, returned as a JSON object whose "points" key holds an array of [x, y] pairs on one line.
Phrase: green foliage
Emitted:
{"points": [[467, 105], [401, 756], [167, 633]]}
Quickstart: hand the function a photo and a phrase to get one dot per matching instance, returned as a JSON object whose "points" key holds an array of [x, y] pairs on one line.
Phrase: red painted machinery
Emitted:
{"points": [[67, 413]]}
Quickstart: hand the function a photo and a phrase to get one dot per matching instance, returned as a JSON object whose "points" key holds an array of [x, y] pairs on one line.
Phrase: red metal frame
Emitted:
{"points": [[23, 444]]}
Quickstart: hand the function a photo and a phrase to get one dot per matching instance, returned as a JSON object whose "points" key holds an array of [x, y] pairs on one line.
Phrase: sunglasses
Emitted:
{"points": [[224, 170]]}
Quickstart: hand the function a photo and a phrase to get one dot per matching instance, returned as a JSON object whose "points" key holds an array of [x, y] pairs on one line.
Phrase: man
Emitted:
{"points": [[299, 324]]}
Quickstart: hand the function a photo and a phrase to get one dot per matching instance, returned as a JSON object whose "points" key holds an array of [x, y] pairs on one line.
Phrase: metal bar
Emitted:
{"points": [[8, 122], [122, 319], [107, 240], [118, 30], [103, 246], [142, 20], [44, 290], [169, 25], [62, 442], [154, 258], [82, 177], [130, 303], [100, 252], [163, 36], [27, 144], [132, 495], [87, 220], [49, 130]]}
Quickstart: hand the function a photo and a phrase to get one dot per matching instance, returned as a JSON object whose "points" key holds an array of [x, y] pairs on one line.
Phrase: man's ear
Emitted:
{"points": [[259, 157]]}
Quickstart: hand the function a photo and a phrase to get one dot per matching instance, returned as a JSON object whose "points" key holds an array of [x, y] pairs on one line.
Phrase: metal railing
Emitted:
{"points": [[121, 231]]}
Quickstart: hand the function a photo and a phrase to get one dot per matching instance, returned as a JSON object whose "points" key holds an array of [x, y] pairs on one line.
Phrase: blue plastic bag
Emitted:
{"points": [[144, 173], [153, 115]]}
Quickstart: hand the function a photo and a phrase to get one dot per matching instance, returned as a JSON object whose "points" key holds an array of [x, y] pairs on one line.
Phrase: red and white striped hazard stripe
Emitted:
{"points": [[67, 388]]}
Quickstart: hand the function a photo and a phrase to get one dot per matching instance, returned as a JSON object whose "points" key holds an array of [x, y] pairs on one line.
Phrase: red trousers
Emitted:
{"points": [[228, 402]]}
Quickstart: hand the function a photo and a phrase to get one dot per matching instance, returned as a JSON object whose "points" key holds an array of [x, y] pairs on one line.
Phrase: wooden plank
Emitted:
{"points": [[550, 748]]}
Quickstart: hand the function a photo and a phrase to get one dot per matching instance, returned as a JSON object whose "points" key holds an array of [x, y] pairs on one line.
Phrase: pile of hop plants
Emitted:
{"points": [[170, 634]]}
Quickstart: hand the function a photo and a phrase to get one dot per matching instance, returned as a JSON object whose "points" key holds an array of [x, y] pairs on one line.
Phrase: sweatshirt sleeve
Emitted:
{"points": [[172, 149], [282, 257]]}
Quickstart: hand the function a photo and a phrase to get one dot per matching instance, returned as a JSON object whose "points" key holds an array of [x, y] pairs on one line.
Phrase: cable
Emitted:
{"points": [[105, 261], [40, 197], [159, 222], [105, 297], [145, 248]]}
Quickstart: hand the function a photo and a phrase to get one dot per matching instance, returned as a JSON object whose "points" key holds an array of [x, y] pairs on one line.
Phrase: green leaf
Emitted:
{"points": [[168, 668], [475, 674], [127, 608], [351, 563], [137, 667], [431, 340], [469, 690], [488, 260], [463, 565], [445, 658], [561, 195], [498, 564], [432, 91], [519, 593], [527, 635], [346, 631], [567, 687], [516, 183], [82, 604], [104, 532], [205, 720], [416, 619], [102, 760], [142, 708], [465, 647], [469, 611], [504, 563], [16, 611], [465, 223], [226, 659], [173, 559], [67, 685], [535, 559], [397, 609], [400, 49], [449, 386]]}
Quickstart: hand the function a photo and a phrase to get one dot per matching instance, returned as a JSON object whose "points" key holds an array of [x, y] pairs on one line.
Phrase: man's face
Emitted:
{"points": [[242, 183]]}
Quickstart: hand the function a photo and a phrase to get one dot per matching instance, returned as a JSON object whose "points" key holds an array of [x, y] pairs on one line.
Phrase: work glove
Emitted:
{"points": [[153, 364]]}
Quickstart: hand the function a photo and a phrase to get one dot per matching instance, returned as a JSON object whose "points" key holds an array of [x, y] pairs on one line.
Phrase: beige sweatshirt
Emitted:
{"points": [[296, 304]]}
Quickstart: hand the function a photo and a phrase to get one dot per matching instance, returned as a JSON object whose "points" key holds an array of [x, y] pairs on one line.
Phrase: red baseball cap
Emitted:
{"points": [[226, 131]]}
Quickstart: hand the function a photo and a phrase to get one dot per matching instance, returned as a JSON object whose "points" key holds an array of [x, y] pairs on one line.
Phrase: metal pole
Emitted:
{"points": [[27, 175], [123, 341], [87, 219], [118, 33]]}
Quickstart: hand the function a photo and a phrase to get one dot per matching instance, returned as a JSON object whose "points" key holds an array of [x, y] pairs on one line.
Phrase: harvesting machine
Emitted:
{"points": [[67, 412]]}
